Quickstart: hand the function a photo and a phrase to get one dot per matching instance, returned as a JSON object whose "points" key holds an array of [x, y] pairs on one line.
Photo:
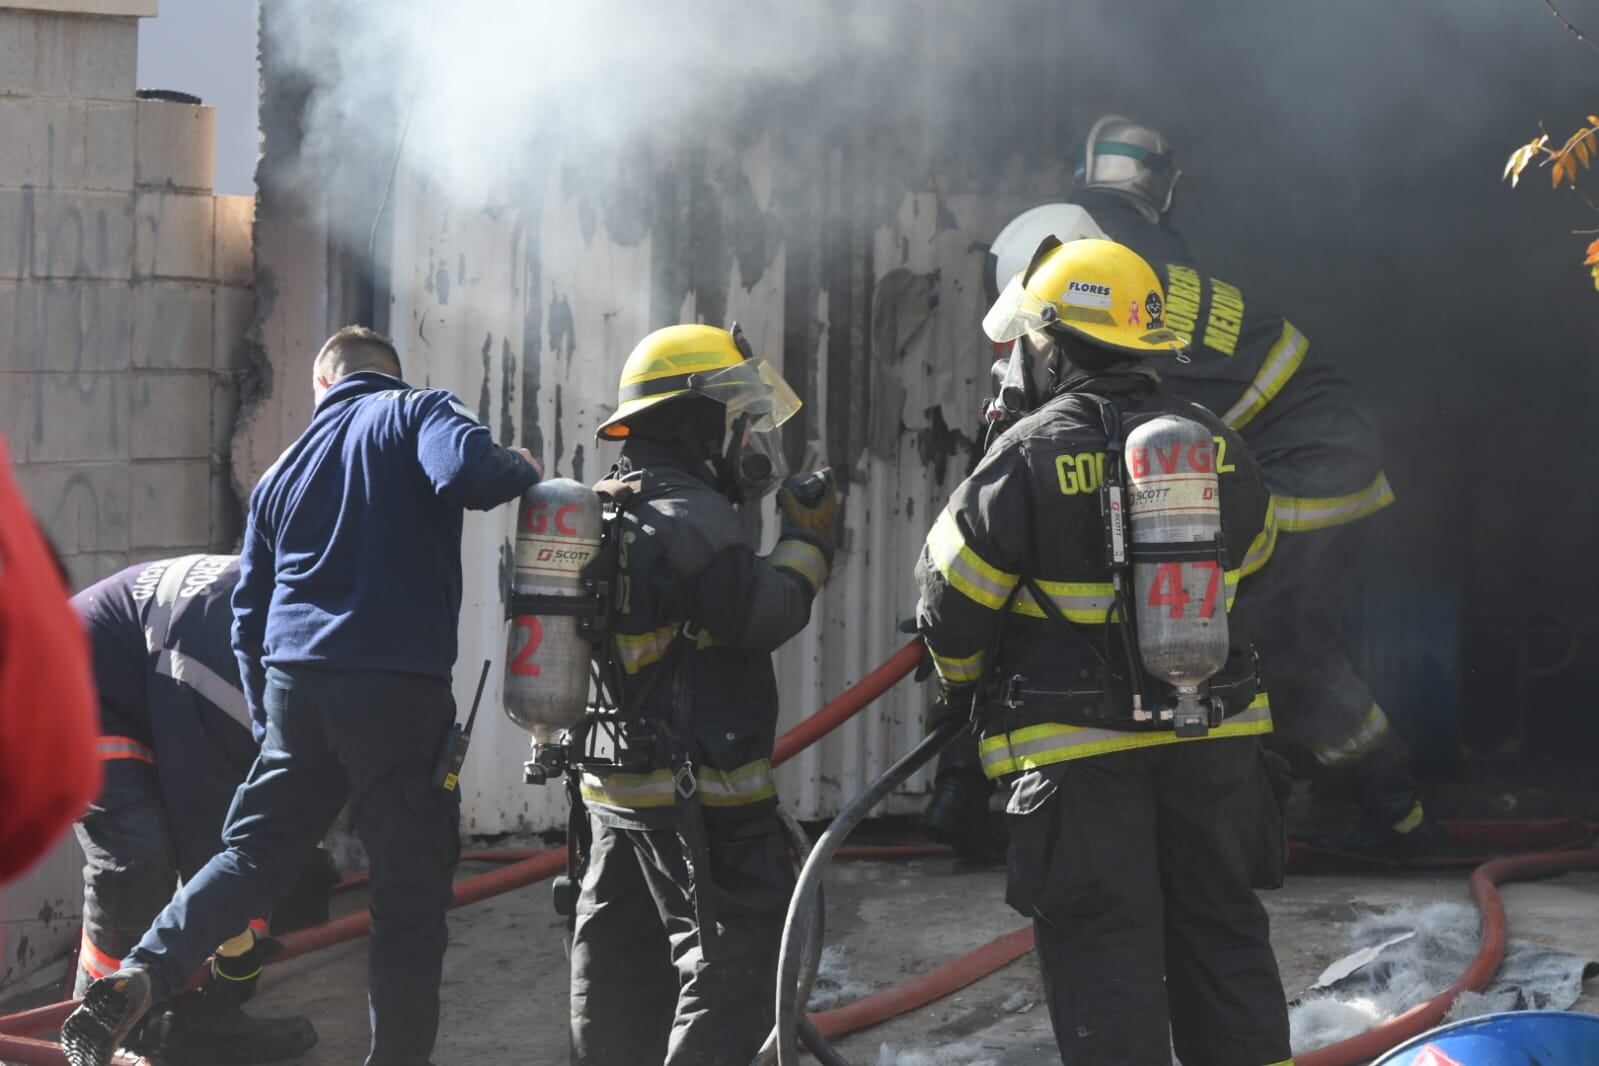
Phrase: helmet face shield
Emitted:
{"points": [[754, 389], [1017, 312]]}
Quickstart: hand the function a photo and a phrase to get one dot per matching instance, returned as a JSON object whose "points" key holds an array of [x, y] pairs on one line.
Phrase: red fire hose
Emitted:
{"points": [[527, 867]]}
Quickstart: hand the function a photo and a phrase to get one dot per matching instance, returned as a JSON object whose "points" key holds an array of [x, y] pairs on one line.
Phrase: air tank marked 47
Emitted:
{"points": [[1179, 581]]}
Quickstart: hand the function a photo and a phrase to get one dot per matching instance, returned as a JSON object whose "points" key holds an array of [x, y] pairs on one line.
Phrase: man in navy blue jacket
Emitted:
{"points": [[345, 629], [175, 744]]}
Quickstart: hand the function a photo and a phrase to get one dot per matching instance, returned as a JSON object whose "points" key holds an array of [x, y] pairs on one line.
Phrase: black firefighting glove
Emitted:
{"points": [[953, 701], [808, 504]]}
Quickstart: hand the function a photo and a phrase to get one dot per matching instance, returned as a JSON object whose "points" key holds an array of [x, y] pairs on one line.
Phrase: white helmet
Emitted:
{"points": [[1018, 242]]}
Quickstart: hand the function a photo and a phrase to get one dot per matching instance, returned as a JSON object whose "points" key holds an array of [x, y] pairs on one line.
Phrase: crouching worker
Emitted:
{"points": [[344, 627], [680, 911], [175, 744], [1134, 831]]}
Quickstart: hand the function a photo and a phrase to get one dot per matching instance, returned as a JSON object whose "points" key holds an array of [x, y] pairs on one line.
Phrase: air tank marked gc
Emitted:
{"points": [[548, 657]]}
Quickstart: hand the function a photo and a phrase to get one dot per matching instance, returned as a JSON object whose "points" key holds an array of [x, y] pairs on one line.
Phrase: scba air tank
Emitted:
{"points": [[547, 656], [1177, 555]]}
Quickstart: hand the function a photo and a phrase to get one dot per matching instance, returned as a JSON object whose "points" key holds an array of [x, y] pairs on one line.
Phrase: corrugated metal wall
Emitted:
{"points": [[528, 306]]}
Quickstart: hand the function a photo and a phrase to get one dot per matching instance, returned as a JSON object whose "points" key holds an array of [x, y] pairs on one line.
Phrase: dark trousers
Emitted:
{"points": [[1136, 873], [1327, 723], [371, 738], [129, 870], [644, 992]]}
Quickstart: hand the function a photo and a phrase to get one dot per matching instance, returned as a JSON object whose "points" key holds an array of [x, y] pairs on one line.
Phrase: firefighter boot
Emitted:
{"points": [[957, 815], [1388, 816], [111, 1007], [207, 1027]]}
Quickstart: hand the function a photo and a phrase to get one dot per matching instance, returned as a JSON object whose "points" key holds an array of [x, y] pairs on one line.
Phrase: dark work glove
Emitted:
{"points": [[809, 504], [952, 701]]}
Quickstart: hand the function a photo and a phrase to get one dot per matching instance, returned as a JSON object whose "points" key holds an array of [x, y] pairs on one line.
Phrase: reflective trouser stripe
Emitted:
{"points": [[1053, 742], [965, 571], [1300, 514], [93, 961], [803, 558], [1264, 544], [1281, 361], [750, 783], [1367, 735], [124, 748], [1411, 820]]}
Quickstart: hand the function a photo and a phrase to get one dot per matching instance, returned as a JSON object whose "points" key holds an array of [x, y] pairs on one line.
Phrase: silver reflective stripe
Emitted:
{"points": [[1367, 735], [158, 623], [207, 682], [1279, 365]]}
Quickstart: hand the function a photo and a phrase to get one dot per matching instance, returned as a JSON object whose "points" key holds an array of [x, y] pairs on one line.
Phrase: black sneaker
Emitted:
{"points": [[111, 1007]]}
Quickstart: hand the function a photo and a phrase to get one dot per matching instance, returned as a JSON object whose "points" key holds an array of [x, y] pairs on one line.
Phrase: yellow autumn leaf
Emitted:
{"points": [[1583, 150], [1556, 170], [1593, 120], [1596, 278], [1518, 162]]}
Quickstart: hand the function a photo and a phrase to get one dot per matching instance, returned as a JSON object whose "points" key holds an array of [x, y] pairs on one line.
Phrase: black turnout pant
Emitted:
{"points": [[1136, 873], [644, 992]]}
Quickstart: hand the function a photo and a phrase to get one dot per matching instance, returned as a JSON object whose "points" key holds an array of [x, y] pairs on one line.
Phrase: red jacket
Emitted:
{"points": [[49, 769]]}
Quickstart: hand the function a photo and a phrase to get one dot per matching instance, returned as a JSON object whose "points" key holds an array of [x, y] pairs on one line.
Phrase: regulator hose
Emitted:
{"points": [[798, 924]]}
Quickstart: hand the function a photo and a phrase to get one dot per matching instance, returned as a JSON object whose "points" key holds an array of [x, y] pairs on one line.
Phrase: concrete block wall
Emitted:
{"points": [[126, 291]]}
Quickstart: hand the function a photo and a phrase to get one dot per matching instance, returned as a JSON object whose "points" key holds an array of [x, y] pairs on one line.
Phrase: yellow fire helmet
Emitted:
{"points": [[704, 360], [1100, 290]]}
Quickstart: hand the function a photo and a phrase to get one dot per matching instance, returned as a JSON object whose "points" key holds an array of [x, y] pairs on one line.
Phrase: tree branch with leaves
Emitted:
{"points": [[1566, 162]]}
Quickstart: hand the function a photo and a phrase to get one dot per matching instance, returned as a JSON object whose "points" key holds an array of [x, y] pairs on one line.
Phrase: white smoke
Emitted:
{"points": [[479, 85]]}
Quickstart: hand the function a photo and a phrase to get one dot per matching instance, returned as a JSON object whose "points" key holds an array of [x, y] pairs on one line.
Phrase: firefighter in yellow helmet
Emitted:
{"points": [[1136, 826], [680, 909]]}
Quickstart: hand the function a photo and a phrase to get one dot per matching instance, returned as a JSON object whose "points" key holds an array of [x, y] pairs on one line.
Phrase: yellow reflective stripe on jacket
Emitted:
{"points": [[1367, 735], [966, 571], [1300, 514], [1090, 603], [959, 671], [1037, 746], [1084, 602], [750, 783], [1262, 546], [1279, 365], [803, 558], [636, 651]]}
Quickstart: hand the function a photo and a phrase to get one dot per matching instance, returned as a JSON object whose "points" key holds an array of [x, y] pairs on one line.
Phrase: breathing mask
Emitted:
{"points": [[757, 401]]}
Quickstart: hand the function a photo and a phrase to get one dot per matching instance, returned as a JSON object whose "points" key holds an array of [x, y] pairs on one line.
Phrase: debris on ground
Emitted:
{"points": [[1407, 955], [834, 986]]}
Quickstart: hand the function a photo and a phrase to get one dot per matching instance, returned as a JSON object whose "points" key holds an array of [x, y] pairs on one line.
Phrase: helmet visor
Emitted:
{"points": [[1016, 312], [753, 388]]}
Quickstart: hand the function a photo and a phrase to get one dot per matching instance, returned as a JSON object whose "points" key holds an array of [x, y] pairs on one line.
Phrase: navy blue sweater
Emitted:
{"points": [[352, 550]]}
